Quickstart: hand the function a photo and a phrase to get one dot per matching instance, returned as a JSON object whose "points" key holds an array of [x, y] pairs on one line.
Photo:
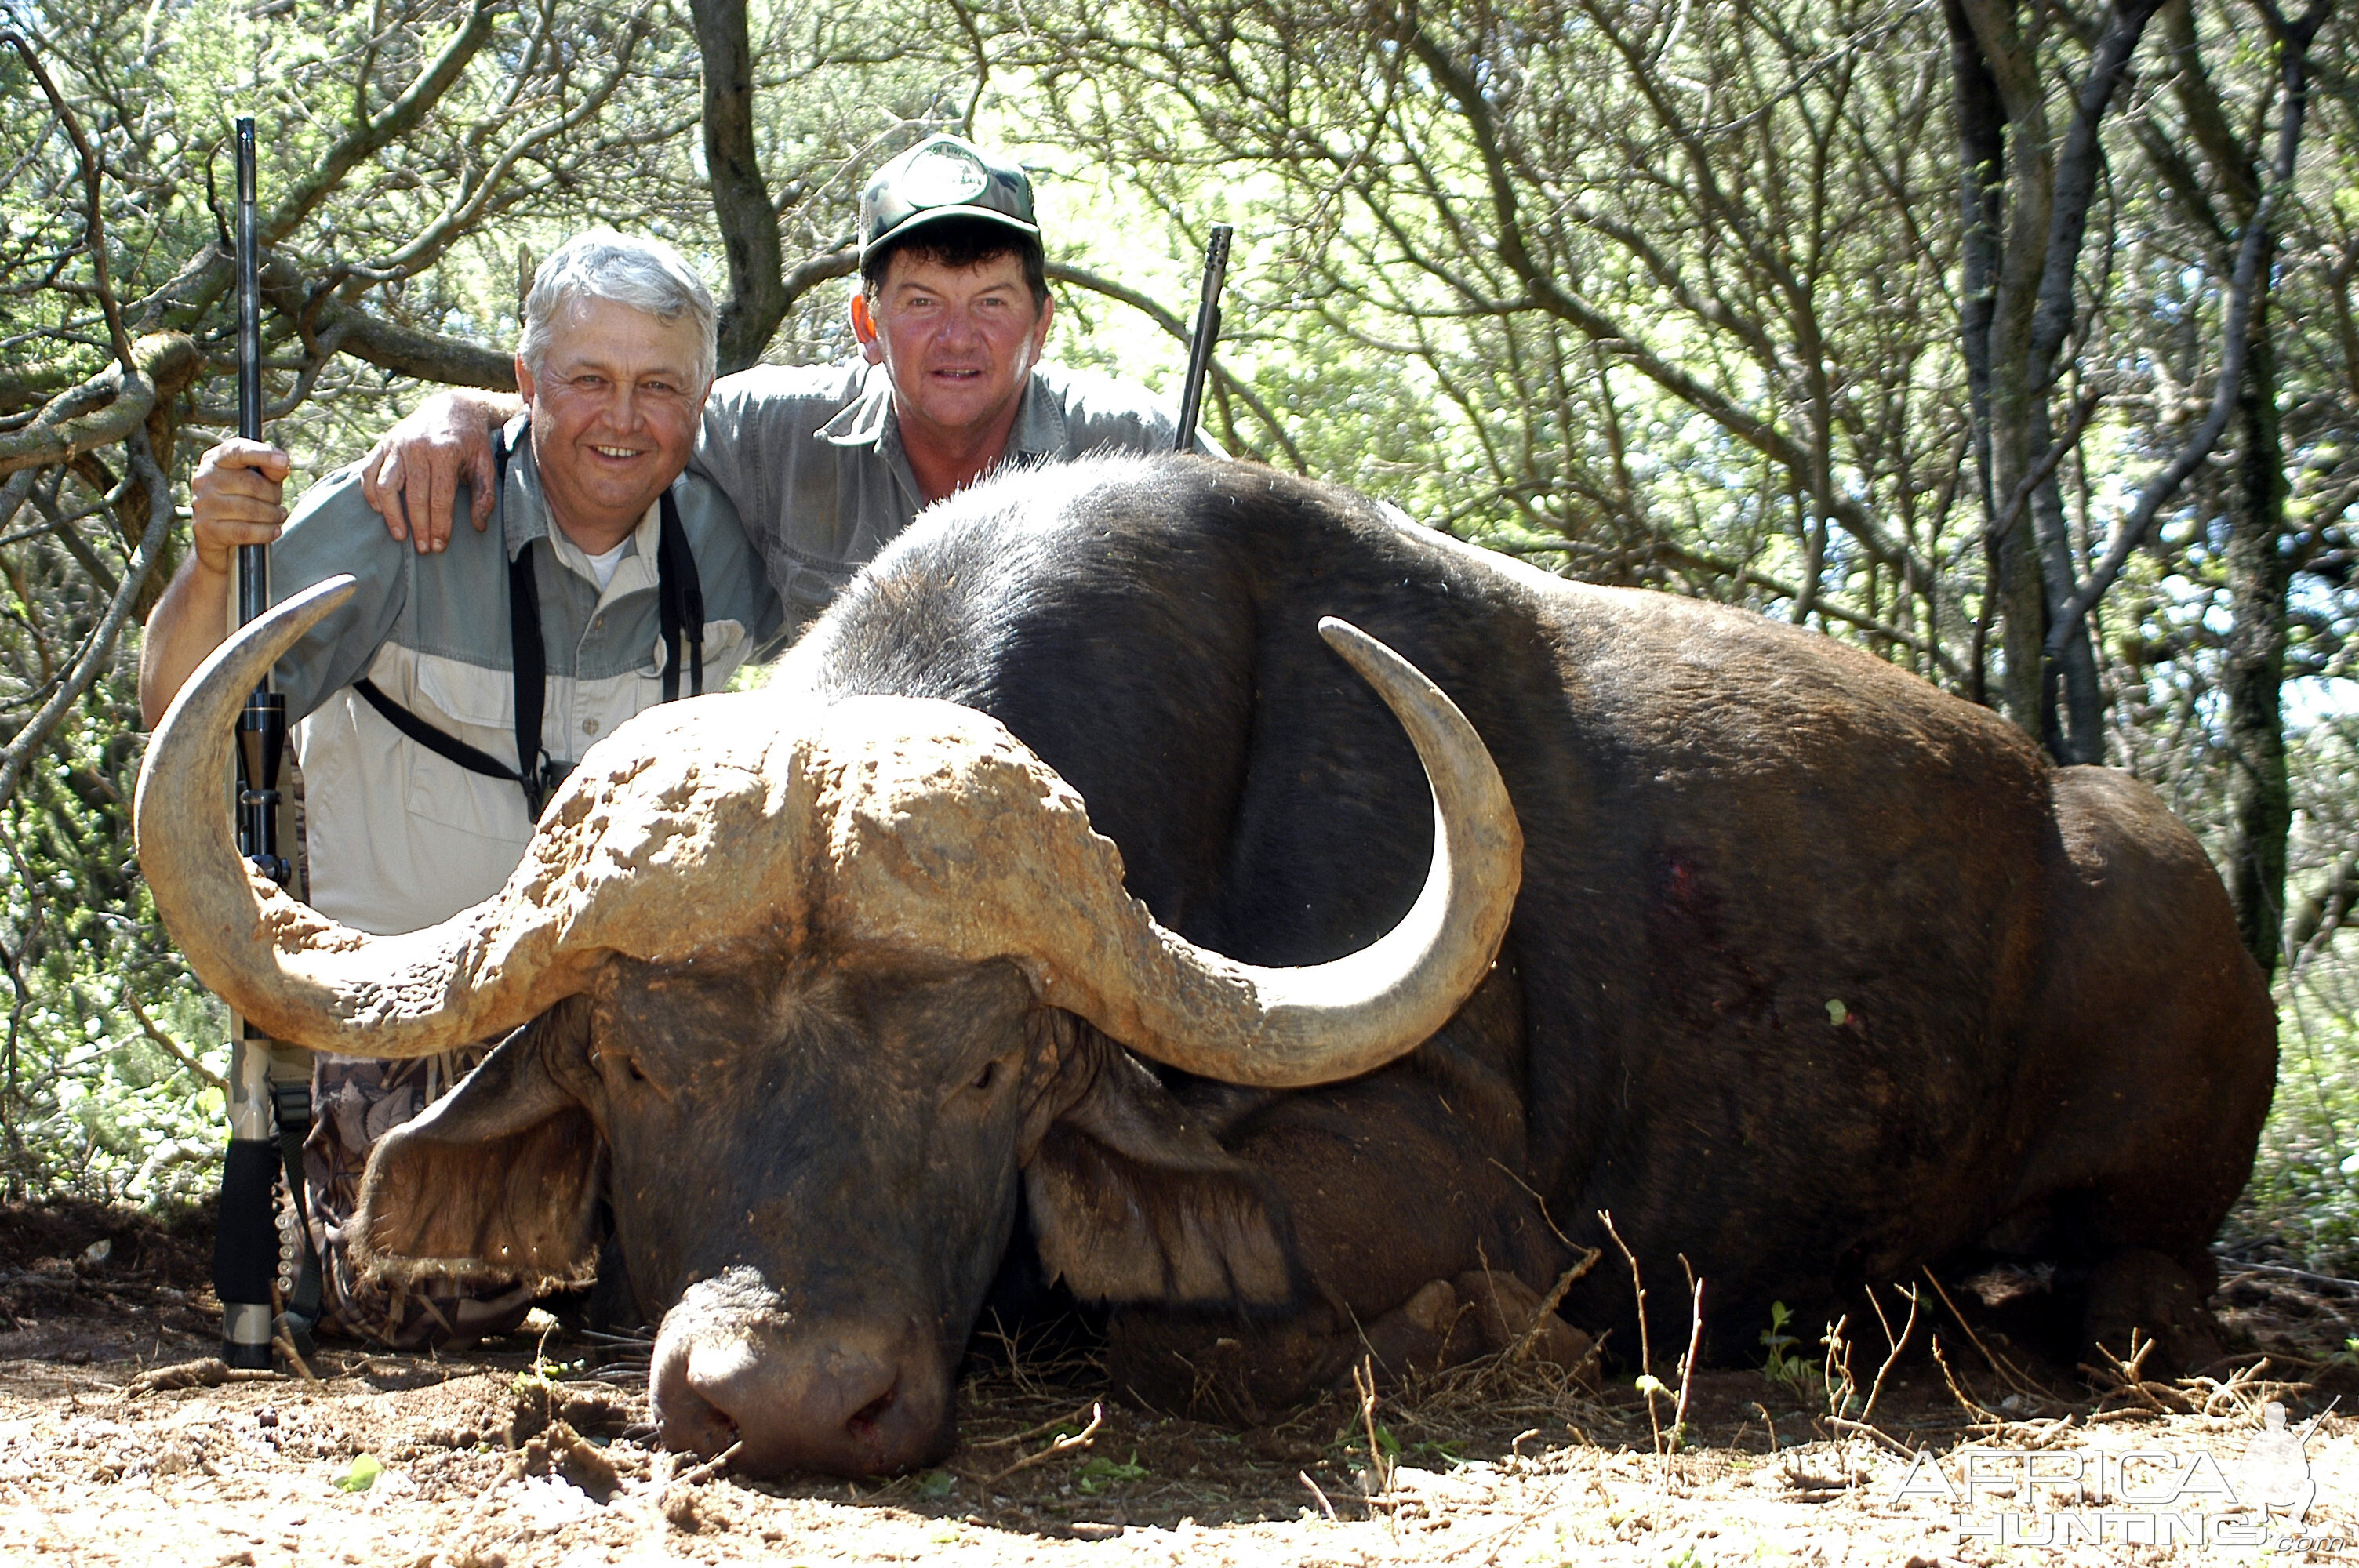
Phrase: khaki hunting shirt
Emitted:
{"points": [[398, 836]]}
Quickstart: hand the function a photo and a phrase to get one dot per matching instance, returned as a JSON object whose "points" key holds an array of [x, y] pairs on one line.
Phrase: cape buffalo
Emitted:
{"points": [[1816, 976]]}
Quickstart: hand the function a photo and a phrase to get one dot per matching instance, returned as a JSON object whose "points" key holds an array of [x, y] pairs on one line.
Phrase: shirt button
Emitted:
{"points": [[589, 727]]}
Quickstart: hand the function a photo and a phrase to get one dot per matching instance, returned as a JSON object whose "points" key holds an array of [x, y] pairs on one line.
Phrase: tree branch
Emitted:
{"points": [[397, 120], [94, 235], [2251, 259], [741, 198], [103, 410], [98, 648], [1549, 295], [404, 351]]}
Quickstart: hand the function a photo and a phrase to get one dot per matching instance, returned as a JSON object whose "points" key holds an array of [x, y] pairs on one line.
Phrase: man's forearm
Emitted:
{"points": [[496, 407], [189, 622]]}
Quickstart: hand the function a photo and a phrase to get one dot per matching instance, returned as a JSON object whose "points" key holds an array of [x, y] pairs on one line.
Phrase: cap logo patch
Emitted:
{"points": [[943, 177]]}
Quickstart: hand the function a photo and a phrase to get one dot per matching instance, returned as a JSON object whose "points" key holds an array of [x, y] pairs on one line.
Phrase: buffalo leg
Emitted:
{"points": [[2140, 1294]]}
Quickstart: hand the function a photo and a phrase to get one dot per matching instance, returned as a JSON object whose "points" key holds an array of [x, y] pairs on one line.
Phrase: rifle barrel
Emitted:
{"points": [[1207, 333], [253, 560]]}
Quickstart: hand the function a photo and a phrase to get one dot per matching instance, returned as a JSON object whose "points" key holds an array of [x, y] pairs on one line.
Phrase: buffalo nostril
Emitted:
{"points": [[690, 1420], [687, 1417], [863, 1424]]}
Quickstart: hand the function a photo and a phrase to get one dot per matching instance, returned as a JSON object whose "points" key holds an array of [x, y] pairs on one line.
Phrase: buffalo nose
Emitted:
{"points": [[849, 1397]]}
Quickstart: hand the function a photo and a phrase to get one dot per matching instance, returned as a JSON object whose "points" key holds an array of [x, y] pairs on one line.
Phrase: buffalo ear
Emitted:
{"points": [[497, 1181], [1131, 1200]]}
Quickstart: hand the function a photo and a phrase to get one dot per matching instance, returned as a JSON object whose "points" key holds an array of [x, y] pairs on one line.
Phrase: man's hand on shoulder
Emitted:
{"points": [[412, 476], [235, 498]]}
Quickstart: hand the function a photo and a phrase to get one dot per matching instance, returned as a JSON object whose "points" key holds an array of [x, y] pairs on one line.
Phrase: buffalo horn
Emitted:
{"points": [[1281, 1028], [991, 855], [877, 823]]}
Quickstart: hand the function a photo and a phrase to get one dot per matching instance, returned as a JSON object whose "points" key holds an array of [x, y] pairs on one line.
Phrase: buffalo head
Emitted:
{"points": [[810, 990]]}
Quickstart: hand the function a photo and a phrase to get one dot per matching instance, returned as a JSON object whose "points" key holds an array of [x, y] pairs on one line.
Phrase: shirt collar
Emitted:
{"points": [[524, 510]]}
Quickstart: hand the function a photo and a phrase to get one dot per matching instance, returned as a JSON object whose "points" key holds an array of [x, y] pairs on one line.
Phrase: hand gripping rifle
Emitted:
{"points": [[247, 1248], [1207, 332]]}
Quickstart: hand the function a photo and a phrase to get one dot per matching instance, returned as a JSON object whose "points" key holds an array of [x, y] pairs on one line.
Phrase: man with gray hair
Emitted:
{"points": [[610, 581]]}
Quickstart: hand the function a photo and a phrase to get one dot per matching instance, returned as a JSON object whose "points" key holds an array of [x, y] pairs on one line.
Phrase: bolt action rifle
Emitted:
{"points": [[246, 1247]]}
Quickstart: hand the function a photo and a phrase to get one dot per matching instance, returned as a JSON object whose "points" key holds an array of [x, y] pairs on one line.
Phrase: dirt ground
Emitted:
{"points": [[121, 1444]]}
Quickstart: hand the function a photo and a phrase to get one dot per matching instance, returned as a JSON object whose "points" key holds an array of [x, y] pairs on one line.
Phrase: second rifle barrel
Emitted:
{"points": [[1207, 333]]}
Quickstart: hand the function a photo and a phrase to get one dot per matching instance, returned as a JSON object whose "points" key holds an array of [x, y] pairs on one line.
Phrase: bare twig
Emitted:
{"points": [[1834, 1372], [286, 1347], [1876, 1391], [1974, 1407], [2009, 1373], [1042, 1430], [2348, 1287], [2126, 1374], [1688, 1361], [1522, 1349], [1648, 1384], [701, 1474], [171, 1046], [1863, 1430], [1380, 1468], [1065, 1445]]}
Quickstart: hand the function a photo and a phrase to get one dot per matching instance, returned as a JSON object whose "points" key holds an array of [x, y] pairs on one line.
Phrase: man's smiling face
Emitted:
{"points": [[960, 342], [614, 409]]}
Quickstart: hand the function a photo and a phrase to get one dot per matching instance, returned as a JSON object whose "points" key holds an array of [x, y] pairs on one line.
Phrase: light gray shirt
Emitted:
{"points": [[812, 458], [400, 836]]}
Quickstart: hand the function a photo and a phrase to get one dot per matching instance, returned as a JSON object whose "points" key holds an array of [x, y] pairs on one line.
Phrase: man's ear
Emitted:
{"points": [[864, 327], [499, 1179], [1040, 328], [524, 381], [1133, 1201]]}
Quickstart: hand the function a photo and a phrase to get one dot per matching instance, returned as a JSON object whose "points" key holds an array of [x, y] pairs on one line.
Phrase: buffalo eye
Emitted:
{"points": [[994, 1073], [624, 1063]]}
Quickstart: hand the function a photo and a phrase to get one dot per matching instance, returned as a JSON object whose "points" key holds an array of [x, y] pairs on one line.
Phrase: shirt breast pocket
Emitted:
{"points": [[475, 707]]}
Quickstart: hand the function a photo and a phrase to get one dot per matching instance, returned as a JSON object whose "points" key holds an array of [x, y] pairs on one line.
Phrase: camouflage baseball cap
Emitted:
{"points": [[943, 177]]}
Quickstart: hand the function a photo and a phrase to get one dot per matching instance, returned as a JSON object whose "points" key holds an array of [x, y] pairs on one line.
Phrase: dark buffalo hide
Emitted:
{"points": [[1818, 977]]}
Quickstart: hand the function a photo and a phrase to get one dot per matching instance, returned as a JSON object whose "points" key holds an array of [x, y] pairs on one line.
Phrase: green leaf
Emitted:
{"points": [[936, 1484], [1096, 1475], [1648, 1383], [1837, 1013], [365, 1469]]}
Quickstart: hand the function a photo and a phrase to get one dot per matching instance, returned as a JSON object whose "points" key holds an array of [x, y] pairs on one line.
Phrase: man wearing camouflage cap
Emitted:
{"points": [[826, 463]]}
